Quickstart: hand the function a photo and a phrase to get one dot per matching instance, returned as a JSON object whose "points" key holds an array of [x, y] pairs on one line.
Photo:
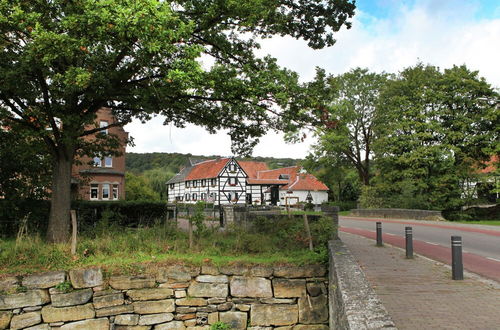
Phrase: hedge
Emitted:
{"points": [[119, 213], [343, 205]]}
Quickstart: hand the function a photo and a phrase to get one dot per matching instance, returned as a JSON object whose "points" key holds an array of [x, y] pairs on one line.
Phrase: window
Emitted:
{"points": [[172, 185], [195, 196], [187, 197], [187, 184], [195, 182], [214, 181], [203, 196], [232, 167], [97, 162], [108, 161], [235, 196], [233, 181], [94, 191], [102, 124], [115, 191], [229, 196], [105, 191], [178, 198], [203, 182]]}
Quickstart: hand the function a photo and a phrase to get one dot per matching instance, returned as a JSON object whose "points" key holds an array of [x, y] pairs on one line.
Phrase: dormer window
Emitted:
{"points": [[195, 183], [187, 184], [232, 167], [203, 182], [214, 182]]}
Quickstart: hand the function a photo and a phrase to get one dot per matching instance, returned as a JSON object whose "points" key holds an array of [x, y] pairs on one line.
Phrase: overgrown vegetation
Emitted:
{"points": [[130, 250]]}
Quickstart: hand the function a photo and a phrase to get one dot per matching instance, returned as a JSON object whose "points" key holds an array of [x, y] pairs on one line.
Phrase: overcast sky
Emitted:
{"points": [[387, 35]]}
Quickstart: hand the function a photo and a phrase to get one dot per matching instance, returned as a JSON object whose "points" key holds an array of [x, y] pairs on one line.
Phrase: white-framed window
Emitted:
{"points": [[203, 196], [178, 198], [103, 123], [195, 196], [232, 167], [108, 161], [187, 197], [172, 185], [94, 191], [233, 181], [195, 183], [203, 182], [115, 191], [105, 191], [214, 182], [97, 161], [187, 185]]}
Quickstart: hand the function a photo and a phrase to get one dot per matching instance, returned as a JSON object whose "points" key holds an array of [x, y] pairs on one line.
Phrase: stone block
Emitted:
{"points": [[78, 297], [132, 282], [254, 287], [190, 324], [208, 290], [311, 327], [174, 325], [235, 320], [25, 299], [286, 288], [184, 317], [127, 319], [86, 278], [150, 294], [9, 284], [177, 273], [213, 318], [114, 310], [291, 271], [74, 313], [154, 307], [5, 318], [32, 309], [176, 285], [191, 302], [25, 320], [235, 269], [207, 309], [132, 327], [209, 270], [313, 310], [94, 324], [212, 279], [216, 300], [44, 280], [277, 315], [109, 300], [180, 294], [185, 310], [152, 319], [261, 271], [104, 292], [42, 326], [225, 306], [242, 307], [277, 301], [260, 328]]}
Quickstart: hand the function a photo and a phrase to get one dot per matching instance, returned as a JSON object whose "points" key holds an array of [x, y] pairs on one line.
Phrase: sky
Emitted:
{"points": [[386, 35]]}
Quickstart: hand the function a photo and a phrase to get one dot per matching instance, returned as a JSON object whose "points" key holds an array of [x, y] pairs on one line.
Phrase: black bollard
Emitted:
{"points": [[379, 234], [457, 267], [409, 242]]}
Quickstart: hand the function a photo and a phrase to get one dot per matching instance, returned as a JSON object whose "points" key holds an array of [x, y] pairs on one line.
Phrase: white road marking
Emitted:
{"points": [[493, 259], [431, 243], [390, 234]]}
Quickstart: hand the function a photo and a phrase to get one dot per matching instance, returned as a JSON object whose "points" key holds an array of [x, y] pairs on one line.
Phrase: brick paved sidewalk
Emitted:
{"points": [[419, 293]]}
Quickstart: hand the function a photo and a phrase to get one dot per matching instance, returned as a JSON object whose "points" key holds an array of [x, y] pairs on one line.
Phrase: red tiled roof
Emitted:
{"points": [[207, 169], [491, 165], [274, 174], [266, 181], [251, 168], [307, 181]]}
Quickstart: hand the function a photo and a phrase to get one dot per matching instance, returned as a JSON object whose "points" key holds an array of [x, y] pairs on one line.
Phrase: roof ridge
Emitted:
{"points": [[280, 168]]}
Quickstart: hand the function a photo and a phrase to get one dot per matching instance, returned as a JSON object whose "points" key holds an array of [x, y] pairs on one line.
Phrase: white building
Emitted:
{"points": [[228, 181]]}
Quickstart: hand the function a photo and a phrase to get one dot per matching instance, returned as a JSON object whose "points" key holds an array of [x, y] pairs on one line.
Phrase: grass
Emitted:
{"points": [[128, 250], [481, 222], [301, 212]]}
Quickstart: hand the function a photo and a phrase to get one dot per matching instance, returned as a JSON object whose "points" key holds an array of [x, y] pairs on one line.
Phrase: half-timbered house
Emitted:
{"points": [[229, 181]]}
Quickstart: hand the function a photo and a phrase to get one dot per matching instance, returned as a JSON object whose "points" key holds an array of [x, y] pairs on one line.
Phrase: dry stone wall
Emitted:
{"points": [[171, 297]]}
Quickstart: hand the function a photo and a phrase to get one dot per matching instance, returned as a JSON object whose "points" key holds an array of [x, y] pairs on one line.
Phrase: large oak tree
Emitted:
{"points": [[191, 61]]}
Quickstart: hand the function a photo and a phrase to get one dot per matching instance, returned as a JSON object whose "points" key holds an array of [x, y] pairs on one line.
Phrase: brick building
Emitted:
{"points": [[105, 179]]}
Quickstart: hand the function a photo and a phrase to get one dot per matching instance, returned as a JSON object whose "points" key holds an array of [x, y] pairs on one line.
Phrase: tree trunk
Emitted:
{"points": [[59, 218]]}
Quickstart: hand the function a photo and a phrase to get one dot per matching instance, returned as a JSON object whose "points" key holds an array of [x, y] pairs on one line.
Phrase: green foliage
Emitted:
{"points": [[64, 287], [220, 326], [435, 129], [198, 218], [138, 189], [13, 211]]}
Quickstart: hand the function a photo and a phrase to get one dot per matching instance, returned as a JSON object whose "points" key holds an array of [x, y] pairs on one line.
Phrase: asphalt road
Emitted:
{"points": [[481, 244]]}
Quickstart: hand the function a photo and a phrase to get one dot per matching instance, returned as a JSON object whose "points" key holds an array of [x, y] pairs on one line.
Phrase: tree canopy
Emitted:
{"points": [[192, 61]]}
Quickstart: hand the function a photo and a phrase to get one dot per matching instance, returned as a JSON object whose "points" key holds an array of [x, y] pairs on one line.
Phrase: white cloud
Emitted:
{"points": [[441, 33]]}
